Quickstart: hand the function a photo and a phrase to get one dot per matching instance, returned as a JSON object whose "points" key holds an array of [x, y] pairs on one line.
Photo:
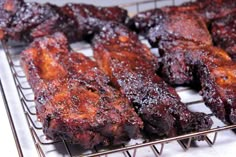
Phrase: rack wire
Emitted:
{"points": [[129, 150]]}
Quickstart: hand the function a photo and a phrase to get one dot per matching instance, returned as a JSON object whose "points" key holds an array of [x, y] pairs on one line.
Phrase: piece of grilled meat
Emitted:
{"points": [[143, 21], [181, 26], [8, 8], [173, 31], [88, 19], [33, 20], [214, 70], [224, 33], [131, 67], [214, 9], [73, 99], [209, 10], [76, 21], [188, 57], [159, 25]]}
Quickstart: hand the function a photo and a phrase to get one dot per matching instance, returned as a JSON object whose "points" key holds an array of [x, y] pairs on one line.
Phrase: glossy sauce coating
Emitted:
{"points": [[131, 67], [73, 99], [223, 33], [189, 57]]}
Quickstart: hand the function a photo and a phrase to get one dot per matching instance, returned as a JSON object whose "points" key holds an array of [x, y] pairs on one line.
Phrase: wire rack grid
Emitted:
{"points": [[46, 147]]}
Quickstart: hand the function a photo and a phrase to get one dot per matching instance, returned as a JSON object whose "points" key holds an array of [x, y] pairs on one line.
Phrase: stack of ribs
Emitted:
{"points": [[131, 67], [188, 55], [25, 21], [73, 99]]}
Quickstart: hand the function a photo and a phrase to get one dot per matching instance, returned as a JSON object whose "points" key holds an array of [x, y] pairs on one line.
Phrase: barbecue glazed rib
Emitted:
{"points": [[186, 27], [188, 57], [224, 33], [209, 10], [213, 9], [88, 19], [158, 25], [131, 68], [76, 21], [143, 21], [210, 68], [178, 30], [73, 99], [33, 20], [7, 9]]}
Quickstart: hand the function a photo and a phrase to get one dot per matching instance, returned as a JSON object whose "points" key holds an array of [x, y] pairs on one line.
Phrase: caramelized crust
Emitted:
{"points": [[8, 9], [209, 10], [77, 21], [189, 58], [88, 19], [213, 9], [143, 21], [209, 66], [130, 65], [216, 74], [181, 26], [73, 99], [178, 30], [32, 20], [224, 33]]}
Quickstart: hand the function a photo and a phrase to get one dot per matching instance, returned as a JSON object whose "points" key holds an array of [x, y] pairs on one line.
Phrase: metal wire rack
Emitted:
{"points": [[44, 146]]}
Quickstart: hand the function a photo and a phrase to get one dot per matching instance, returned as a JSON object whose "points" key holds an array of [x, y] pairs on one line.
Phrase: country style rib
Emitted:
{"points": [[76, 21], [88, 19], [223, 33], [218, 15], [209, 10], [32, 20], [178, 30], [212, 70], [73, 99], [131, 67], [188, 57], [8, 8]]}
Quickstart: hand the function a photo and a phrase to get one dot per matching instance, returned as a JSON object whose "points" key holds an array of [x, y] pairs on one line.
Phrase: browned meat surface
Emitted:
{"points": [[158, 25], [216, 73], [89, 19], [76, 21], [186, 27], [214, 9], [178, 30], [32, 20], [131, 67], [7, 9], [224, 33], [208, 9], [211, 69], [173, 68], [143, 21], [188, 57], [73, 99]]}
